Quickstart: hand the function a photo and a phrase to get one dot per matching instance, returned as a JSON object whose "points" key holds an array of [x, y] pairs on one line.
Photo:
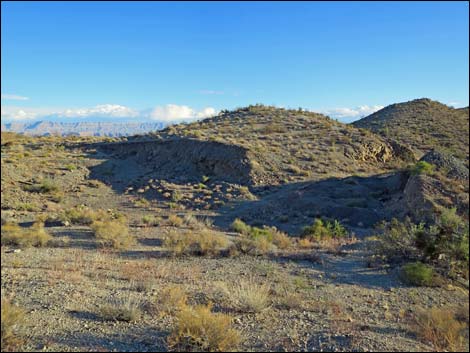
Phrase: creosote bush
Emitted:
{"points": [[422, 167], [418, 274], [324, 230], [443, 244], [258, 241]]}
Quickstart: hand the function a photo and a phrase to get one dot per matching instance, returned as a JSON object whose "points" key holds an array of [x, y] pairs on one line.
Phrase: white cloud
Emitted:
{"points": [[103, 110], [14, 97], [211, 92], [174, 113], [14, 113], [456, 104], [351, 114]]}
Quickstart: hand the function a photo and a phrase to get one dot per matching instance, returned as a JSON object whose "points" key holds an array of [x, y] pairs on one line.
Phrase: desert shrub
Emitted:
{"points": [[151, 221], [12, 317], [201, 243], [273, 128], [324, 230], [82, 215], [290, 300], [172, 299], [27, 206], [422, 167], [175, 221], [305, 243], [199, 329], [36, 235], [112, 233], [418, 274], [281, 240], [240, 227], [128, 310], [247, 295], [79, 215], [397, 239], [444, 244], [192, 222], [45, 186], [248, 246], [442, 327], [259, 240]]}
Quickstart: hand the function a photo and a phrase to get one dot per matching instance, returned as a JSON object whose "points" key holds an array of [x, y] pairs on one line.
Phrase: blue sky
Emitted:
{"points": [[164, 61]]}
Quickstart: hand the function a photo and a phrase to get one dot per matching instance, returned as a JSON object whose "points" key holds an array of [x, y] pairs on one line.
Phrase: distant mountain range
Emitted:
{"points": [[111, 129]]}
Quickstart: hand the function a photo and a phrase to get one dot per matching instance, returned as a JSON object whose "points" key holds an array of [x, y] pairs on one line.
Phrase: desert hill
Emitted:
{"points": [[263, 214], [424, 125]]}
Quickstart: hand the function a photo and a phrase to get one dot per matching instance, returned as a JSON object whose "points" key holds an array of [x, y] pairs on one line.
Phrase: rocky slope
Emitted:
{"points": [[424, 125]]}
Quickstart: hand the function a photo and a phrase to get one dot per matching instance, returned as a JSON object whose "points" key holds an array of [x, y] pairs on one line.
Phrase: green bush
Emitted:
{"points": [[240, 227], [418, 274], [444, 243], [45, 186], [324, 230], [422, 167], [259, 240]]}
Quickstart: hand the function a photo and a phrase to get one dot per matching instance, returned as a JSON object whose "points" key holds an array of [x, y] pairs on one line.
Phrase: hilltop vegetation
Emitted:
{"points": [[424, 125]]}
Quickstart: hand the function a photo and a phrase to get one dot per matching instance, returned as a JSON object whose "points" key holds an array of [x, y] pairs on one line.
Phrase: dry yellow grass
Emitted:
{"points": [[36, 235], [112, 233], [12, 317], [199, 329], [441, 327]]}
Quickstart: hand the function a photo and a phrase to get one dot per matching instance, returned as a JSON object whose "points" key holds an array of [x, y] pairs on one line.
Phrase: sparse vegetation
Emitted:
{"points": [[128, 310], [112, 233], [422, 167], [259, 240], [12, 317], [444, 244], [324, 230], [247, 295], [201, 243], [36, 235], [44, 186], [199, 329], [418, 274], [175, 221], [442, 327]]}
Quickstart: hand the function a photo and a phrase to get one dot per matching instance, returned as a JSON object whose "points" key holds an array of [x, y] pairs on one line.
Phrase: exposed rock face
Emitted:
{"points": [[451, 166], [372, 152], [417, 200], [186, 159]]}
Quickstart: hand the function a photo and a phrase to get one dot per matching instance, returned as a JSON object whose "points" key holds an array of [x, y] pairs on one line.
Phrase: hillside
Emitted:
{"points": [[424, 125], [290, 145], [257, 221]]}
